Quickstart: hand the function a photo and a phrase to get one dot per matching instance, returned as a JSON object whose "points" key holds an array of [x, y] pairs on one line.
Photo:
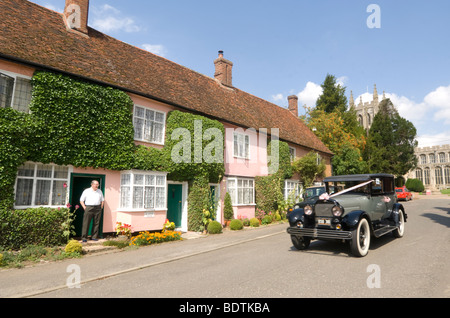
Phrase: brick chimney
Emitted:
{"points": [[293, 104], [76, 13], [223, 72]]}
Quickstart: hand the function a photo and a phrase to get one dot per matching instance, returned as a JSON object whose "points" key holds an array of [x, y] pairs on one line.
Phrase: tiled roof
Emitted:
{"points": [[38, 36]]}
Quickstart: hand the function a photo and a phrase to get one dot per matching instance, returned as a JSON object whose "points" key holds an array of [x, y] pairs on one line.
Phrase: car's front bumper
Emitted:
{"points": [[319, 233]]}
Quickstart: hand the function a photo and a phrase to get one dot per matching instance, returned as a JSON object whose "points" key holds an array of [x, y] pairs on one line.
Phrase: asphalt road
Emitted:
{"points": [[269, 266]]}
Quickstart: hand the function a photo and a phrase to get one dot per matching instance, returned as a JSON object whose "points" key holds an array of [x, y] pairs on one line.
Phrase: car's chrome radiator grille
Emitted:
{"points": [[324, 209]]}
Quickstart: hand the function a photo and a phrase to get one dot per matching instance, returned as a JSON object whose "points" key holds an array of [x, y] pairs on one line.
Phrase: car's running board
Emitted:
{"points": [[384, 230]]}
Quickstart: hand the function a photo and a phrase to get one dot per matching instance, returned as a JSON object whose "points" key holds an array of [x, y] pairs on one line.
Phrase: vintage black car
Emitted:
{"points": [[354, 208]]}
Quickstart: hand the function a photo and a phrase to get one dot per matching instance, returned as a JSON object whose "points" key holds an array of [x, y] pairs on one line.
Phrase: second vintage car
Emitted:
{"points": [[355, 208]]}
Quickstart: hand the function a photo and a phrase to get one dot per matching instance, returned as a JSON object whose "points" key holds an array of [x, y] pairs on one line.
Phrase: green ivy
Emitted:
{"points": [[82, 124], [16, 131], [194, 165]]}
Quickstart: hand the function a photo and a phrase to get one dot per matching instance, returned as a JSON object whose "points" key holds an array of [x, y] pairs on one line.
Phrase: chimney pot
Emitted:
{"points": [[293, 104]]}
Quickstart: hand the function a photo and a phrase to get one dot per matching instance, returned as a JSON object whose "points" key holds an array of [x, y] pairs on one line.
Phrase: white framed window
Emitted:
{"points": [[149, 125], [143, 191], [41, 185], [15, 91], [292, 153], [241, 147], [292, 189], [241, 190]]}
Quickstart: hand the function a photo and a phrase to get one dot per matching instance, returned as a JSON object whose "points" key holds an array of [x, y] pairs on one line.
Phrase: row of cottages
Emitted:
{"points": [[34, 38]]}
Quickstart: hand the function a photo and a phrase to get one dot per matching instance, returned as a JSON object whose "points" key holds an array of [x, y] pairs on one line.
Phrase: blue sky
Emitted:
{"points": [[285, 47]]}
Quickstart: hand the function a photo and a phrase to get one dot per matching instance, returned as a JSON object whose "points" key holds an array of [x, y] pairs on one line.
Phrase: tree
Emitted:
{"points": [[309, 167], [348, 161], [228, 209], [333, 97], [391, 142]]}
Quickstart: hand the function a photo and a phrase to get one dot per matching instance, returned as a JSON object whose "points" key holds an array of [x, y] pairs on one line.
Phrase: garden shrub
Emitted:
{"points": [[214, 227], [228, 213], [236, 225], [73, 247], [266, 220], [254, 222], [36, 226], [246, 222], [415, 185]]}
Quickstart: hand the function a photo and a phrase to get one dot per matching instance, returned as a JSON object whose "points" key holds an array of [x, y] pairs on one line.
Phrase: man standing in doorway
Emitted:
{"points": [[92, 201]]}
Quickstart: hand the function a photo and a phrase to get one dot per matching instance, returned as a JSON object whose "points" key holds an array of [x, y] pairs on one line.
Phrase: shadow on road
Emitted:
{"points": [[439, 218]]}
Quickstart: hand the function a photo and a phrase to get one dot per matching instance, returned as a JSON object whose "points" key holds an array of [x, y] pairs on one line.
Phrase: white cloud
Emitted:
{"points": [[109, 19], [278, 98], [428, 140], [157, 49], [309, 95]]}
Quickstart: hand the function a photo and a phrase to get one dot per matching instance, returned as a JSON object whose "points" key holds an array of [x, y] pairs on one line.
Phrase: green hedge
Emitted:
{"points": [[38, 226], [415, 185]]}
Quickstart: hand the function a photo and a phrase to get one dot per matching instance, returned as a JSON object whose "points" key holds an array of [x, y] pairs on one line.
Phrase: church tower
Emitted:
{"points": [[365, 112]]}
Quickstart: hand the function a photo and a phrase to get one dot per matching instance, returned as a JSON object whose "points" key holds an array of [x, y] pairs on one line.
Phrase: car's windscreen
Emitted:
{"points": [[312, 192], [335, 187]]}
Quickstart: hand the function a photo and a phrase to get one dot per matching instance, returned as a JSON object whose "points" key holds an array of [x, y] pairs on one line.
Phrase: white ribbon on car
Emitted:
{"points": [[326, 196]]}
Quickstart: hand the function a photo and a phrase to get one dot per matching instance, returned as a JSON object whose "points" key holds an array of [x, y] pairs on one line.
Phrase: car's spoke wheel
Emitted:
{"points": [[361, 239], [300, 243], [400, 231]]}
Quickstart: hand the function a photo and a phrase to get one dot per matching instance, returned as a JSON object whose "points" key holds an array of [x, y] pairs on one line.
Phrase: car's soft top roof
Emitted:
{"points": [[358, 177]]}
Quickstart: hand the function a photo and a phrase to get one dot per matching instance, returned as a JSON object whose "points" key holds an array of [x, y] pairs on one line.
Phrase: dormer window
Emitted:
{"points": [[15, 92]]}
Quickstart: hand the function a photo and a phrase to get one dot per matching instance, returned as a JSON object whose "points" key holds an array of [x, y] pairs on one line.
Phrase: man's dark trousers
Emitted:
{"points": [[92, 212]]}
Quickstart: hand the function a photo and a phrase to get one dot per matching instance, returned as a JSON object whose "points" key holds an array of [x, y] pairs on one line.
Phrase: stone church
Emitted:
{"points": [[365, 112]]}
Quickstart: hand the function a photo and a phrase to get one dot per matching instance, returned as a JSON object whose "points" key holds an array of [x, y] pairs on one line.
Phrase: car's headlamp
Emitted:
{"points": [[308, 210], [337, 211]]}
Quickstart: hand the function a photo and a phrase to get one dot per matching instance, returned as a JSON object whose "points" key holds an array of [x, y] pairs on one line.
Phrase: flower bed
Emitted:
{"points": [[147, 238]]}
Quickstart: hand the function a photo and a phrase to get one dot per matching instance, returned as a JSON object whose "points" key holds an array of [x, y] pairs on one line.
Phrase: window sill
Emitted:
{"points": [[249, 204]]}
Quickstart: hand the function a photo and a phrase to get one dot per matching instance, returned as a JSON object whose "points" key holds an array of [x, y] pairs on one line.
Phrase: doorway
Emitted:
{"points": [[175, 203], [80, 182]]}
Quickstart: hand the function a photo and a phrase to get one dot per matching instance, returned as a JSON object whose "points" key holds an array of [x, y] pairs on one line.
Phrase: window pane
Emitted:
{"points": [[160, 197], [149, 198], [61, 172], [149, 180], [139, 112], [240, 196], [161, 180], [149, 115], [159, 117], [158, 132], [42, 194], [44, 171], [247, 147], [139, 179], [27, 170], [24, 192], [125, 179], [138, 128], [59, 193], [22, 95], [6, 89], [138, 198], [125, 197]]}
